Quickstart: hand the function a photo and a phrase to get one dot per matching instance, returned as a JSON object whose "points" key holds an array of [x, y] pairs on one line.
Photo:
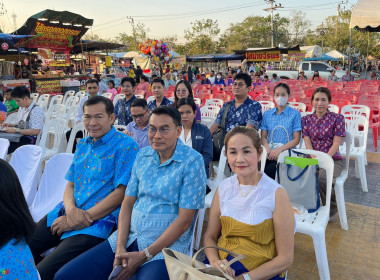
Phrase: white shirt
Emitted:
{"points": [[37, 116], [188, 142], [212, 79]]}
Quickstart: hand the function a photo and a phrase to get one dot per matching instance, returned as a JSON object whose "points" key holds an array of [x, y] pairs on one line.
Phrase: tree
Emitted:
{"points": [[201, 36], [299, 27]]}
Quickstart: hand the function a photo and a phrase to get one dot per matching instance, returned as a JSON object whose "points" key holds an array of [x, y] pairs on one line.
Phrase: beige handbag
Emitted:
{"points": [[183, 267]]}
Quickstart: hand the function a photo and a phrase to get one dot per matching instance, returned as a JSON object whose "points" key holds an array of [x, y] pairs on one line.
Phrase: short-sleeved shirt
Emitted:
{"points": [[3, 112], [161, 189], [169, 83], [247, 113], [119, 111], [322, 131], [139, 135], [97, 170], [11, 106], [16, 261], [153, 105], [36, 119], [290, 119]]}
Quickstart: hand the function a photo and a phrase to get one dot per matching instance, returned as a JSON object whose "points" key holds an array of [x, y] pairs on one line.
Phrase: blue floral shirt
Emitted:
{"points": [[16, 261], [247, 113], [162, 189], [165, 102], [119, 111], [290, 119], [97, 170]]}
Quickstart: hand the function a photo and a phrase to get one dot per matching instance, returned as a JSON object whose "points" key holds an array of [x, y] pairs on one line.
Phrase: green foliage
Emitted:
{"points": [[201, 36]]}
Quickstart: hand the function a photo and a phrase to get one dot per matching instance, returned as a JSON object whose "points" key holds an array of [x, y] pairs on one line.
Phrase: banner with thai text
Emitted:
{"points": [[257, 56], [296, 55]]}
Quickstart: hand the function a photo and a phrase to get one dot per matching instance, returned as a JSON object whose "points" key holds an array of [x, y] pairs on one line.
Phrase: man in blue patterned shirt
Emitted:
{"points": [[97, 179], [158, 89], [166, 188], [243, 111], [122, 107]]}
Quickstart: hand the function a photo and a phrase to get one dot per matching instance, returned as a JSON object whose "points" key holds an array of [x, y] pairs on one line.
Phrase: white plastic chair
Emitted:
{"points": [[43, 101], [52, 186], [26, 161], [210, 111], [56, 99], [314, 224], [80, 95], [339, 182], [55, 111], [12, 118], [352, 111], [213, 184], [4, 145], [150, 98], [214, 102], [118, 97], [139, 96], [303, 114], [208, 121], [55, 127], [358, 152], [107, 94], [77, 127], [67, 95], [71, 101], [198, 101], [299, 106], [334, 108], [70, 115], [266, 105], [34, 96], [172, 99]]}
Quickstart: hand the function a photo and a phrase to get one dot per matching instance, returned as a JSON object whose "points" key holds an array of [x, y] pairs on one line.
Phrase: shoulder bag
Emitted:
{"points": [[218, 137]]}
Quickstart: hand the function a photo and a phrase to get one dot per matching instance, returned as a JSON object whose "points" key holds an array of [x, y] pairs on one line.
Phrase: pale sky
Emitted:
{"points": [[163, 18]]}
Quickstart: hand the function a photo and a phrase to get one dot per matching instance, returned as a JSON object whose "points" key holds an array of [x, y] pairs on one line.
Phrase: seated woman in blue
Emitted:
{"points": [[280, 128], [193, 134], [17, 225]]}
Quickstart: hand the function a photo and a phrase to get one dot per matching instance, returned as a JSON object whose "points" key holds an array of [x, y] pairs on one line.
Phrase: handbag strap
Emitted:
{"points": [[124, 117], [224, 117], [279, 126], [237, 257]]}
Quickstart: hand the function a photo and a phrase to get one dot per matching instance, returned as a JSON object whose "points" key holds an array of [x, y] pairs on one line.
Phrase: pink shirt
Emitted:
{"points": [[113, 91], [144, 86]]}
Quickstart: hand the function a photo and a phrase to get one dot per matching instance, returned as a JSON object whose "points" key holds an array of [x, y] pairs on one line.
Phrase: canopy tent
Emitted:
{"points": [[90, 46], [323, 57], [337, 55], [312, 51], [282, 50], [365, 16], [214, 57], [54, 30], [12, 39]]}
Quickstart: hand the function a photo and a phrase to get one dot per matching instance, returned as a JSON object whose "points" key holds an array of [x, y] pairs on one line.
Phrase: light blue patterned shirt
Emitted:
{"points": [[290, 119], [162, 189], [97, 170]]}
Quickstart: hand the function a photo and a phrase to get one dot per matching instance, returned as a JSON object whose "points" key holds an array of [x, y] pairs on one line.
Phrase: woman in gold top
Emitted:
{"points": [[250, 214]]}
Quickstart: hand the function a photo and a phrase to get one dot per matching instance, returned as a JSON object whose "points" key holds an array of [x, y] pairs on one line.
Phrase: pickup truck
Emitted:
{"points": [[308, 67]]}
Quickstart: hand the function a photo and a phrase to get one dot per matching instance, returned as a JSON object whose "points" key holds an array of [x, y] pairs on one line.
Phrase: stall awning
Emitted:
{"points": [[323, 57], [282, 50], [214, 57], [366, 16], [90, 46]]}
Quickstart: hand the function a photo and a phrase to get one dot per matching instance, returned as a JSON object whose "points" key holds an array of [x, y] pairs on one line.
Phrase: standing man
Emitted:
{"points": [[158, 89], [212, 77], [138, 128], [122, 107], [243, 111], [97, 179], [30, 119]]}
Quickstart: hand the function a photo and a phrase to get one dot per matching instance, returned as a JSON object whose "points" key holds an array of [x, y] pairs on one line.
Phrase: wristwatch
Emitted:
{"points": [[18, 130], [148, 255], [246, 276]]}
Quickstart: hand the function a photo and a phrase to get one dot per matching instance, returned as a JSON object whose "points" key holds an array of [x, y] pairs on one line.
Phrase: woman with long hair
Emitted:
{"points": [[183, 90]]}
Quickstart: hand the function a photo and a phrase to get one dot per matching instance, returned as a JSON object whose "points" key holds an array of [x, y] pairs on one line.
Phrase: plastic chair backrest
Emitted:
{"points": [[264, 98], [52, 185], [80, 94], [352, 111], [71, 101], [208, 120], [12, 118], [67, 95], [198, 101], [263, 158], [150, 98], [140, 96], [56, 99], [55, 111], [333, 108], [34, 96], [56, 126], [26, 161], [214, 102], [358, 127], [347, 142], [210, 111], [118, 97], [43, 101], [299, 106], [266, 105], [107, 94], [77, 127], [4, 145]]}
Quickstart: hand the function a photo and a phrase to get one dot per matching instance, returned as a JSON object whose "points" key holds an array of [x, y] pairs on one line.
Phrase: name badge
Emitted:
{"points": [[199, 137]]}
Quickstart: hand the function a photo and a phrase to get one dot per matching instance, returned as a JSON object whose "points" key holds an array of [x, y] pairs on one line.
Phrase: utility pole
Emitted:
{"points": [[132, 22], [271, 9], [14, 16], [337, 21]]}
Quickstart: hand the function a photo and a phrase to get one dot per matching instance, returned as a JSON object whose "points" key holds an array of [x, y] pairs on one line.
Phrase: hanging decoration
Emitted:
{"points": [[4, 46], [157, 49]]}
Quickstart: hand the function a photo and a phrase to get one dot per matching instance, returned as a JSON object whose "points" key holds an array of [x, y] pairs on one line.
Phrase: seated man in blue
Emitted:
{"points": [[167, 186], [242, 111], [97, 180], [158, 89]]}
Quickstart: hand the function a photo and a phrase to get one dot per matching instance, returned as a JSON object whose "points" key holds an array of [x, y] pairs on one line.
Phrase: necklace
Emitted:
{"points": [[245, 194]]}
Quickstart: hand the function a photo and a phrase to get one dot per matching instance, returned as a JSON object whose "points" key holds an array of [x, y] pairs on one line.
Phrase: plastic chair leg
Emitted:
{"points": [[375, 132], [357, 173], [201, 217], [339, 193], [363, 177], [321, 255]]}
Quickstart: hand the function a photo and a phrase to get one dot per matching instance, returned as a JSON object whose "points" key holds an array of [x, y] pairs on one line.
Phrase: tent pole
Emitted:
{"points": [[349, 52], [366, 59]]}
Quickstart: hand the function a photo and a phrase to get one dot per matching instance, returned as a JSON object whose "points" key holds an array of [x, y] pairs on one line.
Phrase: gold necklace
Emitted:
{"points": [[245, 194]]}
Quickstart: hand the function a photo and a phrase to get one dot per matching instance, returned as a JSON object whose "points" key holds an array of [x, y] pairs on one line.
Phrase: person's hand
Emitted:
{"points": [[131, 261], [223, 265], [127, 132], [60, 225], [273, 155], [9, 129], [78, 218], [240, 277]]}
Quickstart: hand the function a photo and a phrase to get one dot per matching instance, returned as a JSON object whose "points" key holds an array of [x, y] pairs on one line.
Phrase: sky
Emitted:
{"points": [[163, 18]]}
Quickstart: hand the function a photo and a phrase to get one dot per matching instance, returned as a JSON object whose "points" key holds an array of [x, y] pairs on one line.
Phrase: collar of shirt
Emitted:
{"points": [[325, 116], [104, 139], [246, 102], [135, 126], [89, 96], [286, 111], [177, 155]]}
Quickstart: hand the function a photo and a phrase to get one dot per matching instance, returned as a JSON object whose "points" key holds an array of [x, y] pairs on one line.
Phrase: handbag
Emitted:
{"points": [[274, 146], [183, 267], [300, 178], [218, 137]]}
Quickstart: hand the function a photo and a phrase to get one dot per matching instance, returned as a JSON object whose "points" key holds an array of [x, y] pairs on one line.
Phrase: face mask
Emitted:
{"points": [[218, 77], [281, 101]]}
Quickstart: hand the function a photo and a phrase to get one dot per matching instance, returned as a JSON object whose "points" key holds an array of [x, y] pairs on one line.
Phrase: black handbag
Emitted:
{"points": [[218, 137]]}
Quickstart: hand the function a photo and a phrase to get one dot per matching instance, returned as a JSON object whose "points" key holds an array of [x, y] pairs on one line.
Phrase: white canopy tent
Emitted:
{"points": [[312, 51], [337, 55]]}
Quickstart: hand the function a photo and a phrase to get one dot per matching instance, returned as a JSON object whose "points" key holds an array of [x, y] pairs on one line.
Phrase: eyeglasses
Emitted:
{"points": [[135, 117], [182, 91], [238, 84], [163, 130]]}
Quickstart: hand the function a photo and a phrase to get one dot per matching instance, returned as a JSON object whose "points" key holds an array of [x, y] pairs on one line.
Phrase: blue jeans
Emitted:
{"points": [[97, 263]]}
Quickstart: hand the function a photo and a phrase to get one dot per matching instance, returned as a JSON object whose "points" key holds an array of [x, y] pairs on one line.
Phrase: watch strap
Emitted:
{"points": [[148, 255], [246, 276]]}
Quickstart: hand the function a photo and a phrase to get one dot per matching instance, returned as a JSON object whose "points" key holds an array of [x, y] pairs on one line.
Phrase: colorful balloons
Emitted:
{"points": [[156, 48]]}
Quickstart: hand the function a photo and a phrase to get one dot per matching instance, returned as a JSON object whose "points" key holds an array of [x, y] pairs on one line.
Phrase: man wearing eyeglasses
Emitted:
{"points": [[242, 111], [138, 128]]}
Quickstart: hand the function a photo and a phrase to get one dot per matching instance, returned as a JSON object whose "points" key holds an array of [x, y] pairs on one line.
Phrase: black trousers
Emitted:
{"points": [[270, 168], [14, 145], [79, 135], [65, 251]]}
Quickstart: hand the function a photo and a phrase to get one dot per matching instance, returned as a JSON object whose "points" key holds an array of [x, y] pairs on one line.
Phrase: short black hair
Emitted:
{"points": [[8, 90], [170, 111], [274, 75], [187, 101], [20, 92], [139, 102], [128, 79], [100, 99], [158, 80], [112, 82], [16, 222], [92, 81], [245, 77], [145, 78], [284, 85], [324, 90]]}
